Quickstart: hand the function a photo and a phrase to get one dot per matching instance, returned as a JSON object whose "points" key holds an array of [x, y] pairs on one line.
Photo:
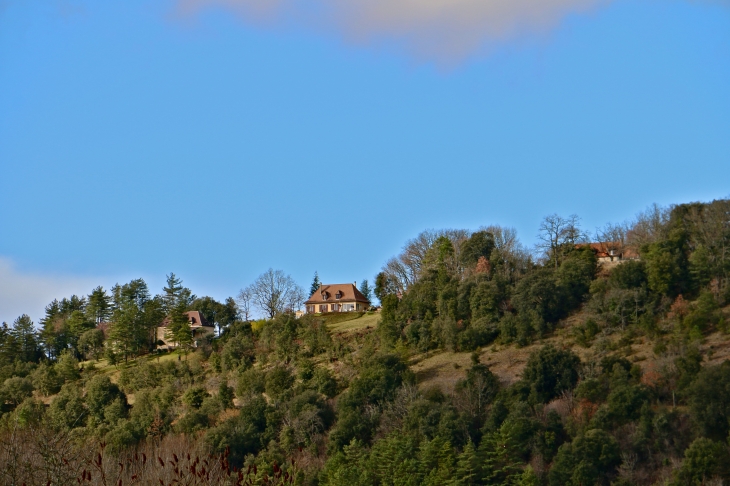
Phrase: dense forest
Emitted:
{"points": [[625, 380]]}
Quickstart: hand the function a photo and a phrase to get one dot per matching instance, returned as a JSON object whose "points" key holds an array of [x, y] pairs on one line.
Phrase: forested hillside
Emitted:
{"points": [[488, 363]]}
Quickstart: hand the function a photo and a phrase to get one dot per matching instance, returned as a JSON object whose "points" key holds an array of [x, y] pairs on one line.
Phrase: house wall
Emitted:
{"points": [[199, 332], [316, 308]]}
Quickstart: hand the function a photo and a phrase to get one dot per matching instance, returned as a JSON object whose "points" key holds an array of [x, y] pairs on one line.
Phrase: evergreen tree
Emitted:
{"points": [[315, 284], [68, 367], [217, 314], [76, 324], [91, 343], [437, 461], [501, 455], [136, 291], [172, 291], [174, 294], [99, 307], [153, 314], [468, 467], [225, 395], [366, 290], [75, 303], [178, 328], [52, 335], [26, 337], [9, 349], [122, 330]]}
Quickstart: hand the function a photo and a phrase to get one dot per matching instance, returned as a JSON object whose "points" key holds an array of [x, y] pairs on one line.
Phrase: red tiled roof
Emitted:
{"points": [[602, 250], [329, 294]]}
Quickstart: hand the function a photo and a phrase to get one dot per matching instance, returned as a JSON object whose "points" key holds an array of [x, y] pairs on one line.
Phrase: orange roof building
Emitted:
{"points": [[611, 252], [337, 298], [199, 326]]}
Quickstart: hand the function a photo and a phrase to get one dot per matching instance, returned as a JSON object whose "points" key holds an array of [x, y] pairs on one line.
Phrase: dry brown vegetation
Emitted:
{"points": [[38, 455]]}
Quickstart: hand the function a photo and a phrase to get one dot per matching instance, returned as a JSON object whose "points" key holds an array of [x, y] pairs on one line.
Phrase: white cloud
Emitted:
{"points": [[440, 30], [29, 293], [445, 31]]}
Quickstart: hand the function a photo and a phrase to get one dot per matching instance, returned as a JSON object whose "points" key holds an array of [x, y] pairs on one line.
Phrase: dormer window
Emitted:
{"points": [[338, 295], [324, 295]]}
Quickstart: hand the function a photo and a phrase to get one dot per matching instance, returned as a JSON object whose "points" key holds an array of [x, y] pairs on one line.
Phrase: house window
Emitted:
{"points": [[338, 295], [335, 307], [323, 308]]}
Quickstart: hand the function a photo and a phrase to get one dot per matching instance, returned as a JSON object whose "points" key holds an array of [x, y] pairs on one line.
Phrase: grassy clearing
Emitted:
{"points": [[103, 367], [359, 323], [444, 369]]}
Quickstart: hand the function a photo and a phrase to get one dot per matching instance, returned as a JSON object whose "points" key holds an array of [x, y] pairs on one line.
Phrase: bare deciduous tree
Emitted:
{"points": [[274, 292], [612, 238], [408, 267], [244, 301], [509, 256], [558, 234], [649, 226]]}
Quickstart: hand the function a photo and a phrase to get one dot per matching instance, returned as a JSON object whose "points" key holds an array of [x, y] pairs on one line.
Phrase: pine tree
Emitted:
{"points": [[52, 335], [225, 395], [99, 305], [9, 349], [468, 467], [121, 332], [316, 284], [365, 290], [172, 292], [436, 460], [26, 338], [76, 324], [527, 478], [178, 329], [75, 303], [501, 457]]}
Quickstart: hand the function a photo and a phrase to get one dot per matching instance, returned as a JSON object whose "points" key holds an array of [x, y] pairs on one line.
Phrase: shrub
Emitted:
{"points": [[278, 381], [703, 460], [46, 379], [590, 459], [251, 382], [324, 382], [16, 389], [629, 275], [67, 410], [101, 392], [710, 401], [243, 434], [550, 371], [225, 395], [194, 396]]}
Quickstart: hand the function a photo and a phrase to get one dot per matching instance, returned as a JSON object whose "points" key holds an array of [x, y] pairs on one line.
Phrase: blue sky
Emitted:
{"points": [[215, 139]]}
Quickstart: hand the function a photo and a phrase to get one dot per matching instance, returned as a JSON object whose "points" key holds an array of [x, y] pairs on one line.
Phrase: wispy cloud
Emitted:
{"points": [[29, 293], [440, 30], [445, 31]]}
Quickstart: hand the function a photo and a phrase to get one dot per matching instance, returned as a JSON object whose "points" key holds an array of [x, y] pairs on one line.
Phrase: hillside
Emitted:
{"points": [[603, 363]]}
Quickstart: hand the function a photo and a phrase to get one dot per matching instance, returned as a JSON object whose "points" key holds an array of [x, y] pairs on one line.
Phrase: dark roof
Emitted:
{"points": [[347, 292], [195, 318]]}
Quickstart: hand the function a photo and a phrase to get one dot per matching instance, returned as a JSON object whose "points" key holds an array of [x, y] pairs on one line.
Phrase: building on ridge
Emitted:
{"points": [[337, 298], [198, 325]]}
